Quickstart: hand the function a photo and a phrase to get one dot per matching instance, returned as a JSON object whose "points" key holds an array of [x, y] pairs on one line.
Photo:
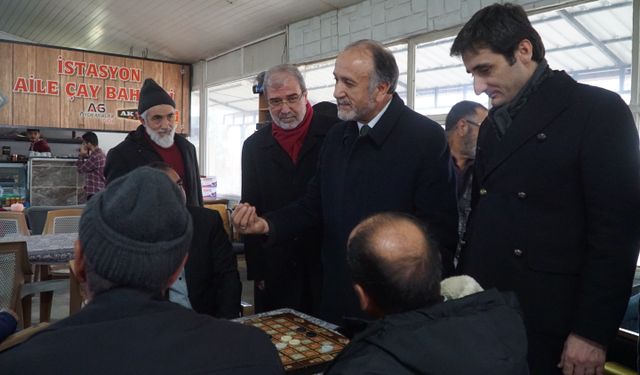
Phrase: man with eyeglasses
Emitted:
{"points": [[461, 126], [382, 157], [277, 163]]}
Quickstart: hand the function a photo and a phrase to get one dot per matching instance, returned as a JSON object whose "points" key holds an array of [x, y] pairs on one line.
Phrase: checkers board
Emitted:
{"points": [[304, 347]]}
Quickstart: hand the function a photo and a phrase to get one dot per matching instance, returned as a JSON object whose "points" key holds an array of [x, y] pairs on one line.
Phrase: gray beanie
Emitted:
{"points": [[137, 231]]}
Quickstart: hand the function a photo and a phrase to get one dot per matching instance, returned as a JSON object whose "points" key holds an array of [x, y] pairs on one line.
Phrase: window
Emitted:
{"points": [[318, 77], [232, 113], [441, 80], [591, 42]]}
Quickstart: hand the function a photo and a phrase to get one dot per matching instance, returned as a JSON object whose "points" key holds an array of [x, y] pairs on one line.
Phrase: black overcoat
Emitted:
{"points": [[270, 180], [555, 211], [403, 164], [211, 271], [135, 151]]}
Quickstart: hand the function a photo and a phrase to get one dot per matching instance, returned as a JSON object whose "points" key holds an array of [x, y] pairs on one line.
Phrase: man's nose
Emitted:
{"points": [[479, 85], [338, 91]]}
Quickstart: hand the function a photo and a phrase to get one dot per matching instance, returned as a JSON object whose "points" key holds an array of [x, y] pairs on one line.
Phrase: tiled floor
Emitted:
{"points": [[60, 307]]}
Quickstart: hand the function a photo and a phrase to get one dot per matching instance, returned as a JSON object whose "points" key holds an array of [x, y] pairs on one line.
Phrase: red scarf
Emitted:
{"points": [[291, 140]]}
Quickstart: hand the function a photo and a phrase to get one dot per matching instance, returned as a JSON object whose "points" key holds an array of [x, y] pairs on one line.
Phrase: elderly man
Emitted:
{"points": [[130, 248], [384, 156], [277, 163], [556, 197], [156, 140], [396, 274], [461, 126]]}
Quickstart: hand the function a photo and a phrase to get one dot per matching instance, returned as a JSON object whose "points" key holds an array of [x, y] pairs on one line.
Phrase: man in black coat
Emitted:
{"points": [[383, 157], [130, 248], [556, 197], [156, 140], [396, 274], [277, 163], [210, 283]]}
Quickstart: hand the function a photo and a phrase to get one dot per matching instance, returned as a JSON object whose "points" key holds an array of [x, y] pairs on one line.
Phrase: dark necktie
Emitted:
{"points": [[364, 130]]}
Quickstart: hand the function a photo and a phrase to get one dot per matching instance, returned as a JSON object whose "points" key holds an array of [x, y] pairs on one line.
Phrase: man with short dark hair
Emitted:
{"points": [[277, 163], [462, 126], [38, 144], [156, 140], [396, 275], [556, 197], [91, 161], [384, 156], [133, 242]]}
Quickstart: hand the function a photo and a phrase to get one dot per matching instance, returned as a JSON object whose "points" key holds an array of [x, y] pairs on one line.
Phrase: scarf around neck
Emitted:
{"points": [[291, 140], [501, 117]]}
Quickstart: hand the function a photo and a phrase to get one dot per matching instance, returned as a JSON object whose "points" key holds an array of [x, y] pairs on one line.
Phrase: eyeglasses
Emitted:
{"points": [[290, 100], [471, 122]]}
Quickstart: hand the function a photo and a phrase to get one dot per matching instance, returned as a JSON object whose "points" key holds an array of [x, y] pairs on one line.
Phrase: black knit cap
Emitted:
{"points": [[152, 94], [137, 231]]}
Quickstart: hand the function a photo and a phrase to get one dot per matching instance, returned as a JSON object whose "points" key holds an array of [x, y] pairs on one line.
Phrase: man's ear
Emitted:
{"points": [[382, 90], [524, 52], [80, 269], [177, 273], [461, 128], [363, 297]]}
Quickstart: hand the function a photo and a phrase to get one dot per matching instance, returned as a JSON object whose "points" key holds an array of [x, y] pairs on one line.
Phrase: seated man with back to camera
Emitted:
{"points": [[396, 273], [130, 248], [210, 282]]}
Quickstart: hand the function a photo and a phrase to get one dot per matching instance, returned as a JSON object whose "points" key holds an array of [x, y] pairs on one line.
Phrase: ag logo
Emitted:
{"points": [[129, 114], [96, 108]]}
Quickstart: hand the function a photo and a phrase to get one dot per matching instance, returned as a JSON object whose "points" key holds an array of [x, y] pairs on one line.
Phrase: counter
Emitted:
{"points": [[55, 182]]}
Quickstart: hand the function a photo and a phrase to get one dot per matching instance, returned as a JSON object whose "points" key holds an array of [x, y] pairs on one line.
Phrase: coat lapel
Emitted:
{"points": [[316, 133], [543, 107]]}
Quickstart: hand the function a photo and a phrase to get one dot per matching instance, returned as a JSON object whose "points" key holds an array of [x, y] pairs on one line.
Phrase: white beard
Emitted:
{"points": [[162, 140]]}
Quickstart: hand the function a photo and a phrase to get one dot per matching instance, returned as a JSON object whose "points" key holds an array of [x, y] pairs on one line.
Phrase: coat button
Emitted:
{"points": [[518, 252], [522, 195], [541, 137], [483, 191]]}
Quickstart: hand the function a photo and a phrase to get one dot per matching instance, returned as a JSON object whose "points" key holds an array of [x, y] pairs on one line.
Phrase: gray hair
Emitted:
{"points": [[385, 68], [289, 69], [144, 115]]}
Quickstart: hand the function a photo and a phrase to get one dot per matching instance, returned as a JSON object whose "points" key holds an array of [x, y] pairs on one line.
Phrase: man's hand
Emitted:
{"points": [[582, 357], [245, 220], [83, 151]]}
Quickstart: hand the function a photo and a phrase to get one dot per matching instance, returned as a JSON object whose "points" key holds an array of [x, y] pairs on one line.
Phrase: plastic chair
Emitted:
{"points": [[37, 215], [14, 266], [62, 221], [58, 221], [15, 277], [13, 223]]}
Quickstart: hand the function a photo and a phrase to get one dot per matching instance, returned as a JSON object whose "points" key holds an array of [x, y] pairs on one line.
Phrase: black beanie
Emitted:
{"points": [[152, 94], [137, 231]]}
